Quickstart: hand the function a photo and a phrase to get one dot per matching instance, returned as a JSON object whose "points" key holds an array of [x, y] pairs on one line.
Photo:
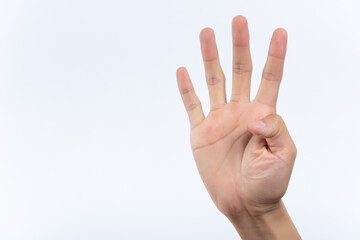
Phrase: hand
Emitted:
{"points": [[242, 149]]}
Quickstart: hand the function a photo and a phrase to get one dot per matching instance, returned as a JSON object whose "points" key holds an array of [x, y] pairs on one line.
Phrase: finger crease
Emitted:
{"points": [[269, 76], [239, 68], [186, 91], [213, 80], [191, 106]]}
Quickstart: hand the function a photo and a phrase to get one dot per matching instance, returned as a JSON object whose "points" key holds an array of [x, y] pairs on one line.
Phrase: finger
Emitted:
{"points": [[214, 75], [191, 101], [273, 70], [273, 129], [242, 64]]}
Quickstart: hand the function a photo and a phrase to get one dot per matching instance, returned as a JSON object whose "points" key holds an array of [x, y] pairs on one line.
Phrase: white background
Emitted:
{"points": [[94, 140]]}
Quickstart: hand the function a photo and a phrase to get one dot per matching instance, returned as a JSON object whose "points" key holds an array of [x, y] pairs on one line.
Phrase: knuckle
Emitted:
{"points": [[191, 106], [216, 107], [213, 80], [278, 119], [269, 76], [240, 68], [291, 152], [275, 119], [186, 91], [275, 124], [294, 152]]}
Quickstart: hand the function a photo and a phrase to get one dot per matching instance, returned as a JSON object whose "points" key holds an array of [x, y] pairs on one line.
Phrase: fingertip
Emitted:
{"points": [[208, 44], [207, 34], [182, 77], [180, 71], [207, 39], [240, 31], [239, 20], [281, 31], [280, 35], [278, 43]]}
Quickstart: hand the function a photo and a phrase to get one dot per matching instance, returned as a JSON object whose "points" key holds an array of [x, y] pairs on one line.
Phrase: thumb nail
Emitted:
{"points": [[258, 125]]}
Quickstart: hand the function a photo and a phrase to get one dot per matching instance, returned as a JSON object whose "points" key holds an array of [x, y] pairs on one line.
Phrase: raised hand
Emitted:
{"points": [[242, 149]]}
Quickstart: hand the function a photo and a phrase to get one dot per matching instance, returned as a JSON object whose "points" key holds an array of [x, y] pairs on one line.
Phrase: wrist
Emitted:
{"points": [[272, 224]]}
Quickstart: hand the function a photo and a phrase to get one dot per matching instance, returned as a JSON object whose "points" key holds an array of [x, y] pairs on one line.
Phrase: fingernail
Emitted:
{"points": [[259, 125]]}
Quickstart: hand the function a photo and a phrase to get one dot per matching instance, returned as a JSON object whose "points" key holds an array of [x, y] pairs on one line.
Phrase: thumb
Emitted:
{"points": [[273, 129]]}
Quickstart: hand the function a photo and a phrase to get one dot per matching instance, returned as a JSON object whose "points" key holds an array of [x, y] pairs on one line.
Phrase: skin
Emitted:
{"points": [[242, 148]]}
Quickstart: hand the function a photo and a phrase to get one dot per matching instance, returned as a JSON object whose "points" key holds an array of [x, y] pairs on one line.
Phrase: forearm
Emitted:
{"points": [[274, 225]]}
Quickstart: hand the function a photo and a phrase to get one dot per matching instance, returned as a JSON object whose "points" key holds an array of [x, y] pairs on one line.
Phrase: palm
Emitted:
{"points": [[235, 166], [222, 161]]}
